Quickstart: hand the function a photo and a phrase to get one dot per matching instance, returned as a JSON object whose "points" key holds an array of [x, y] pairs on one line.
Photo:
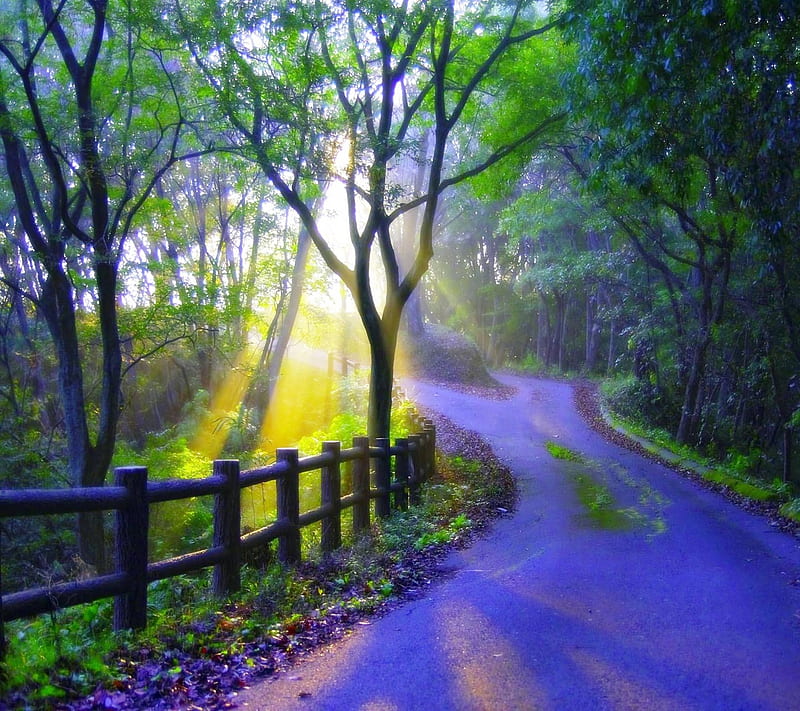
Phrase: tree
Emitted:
{"points": [[649, 122], [690, 116], [355, 87], [91, 115]]}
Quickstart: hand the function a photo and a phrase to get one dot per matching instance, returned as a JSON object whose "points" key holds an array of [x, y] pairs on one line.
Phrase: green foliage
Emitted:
{"points": [[176, 527], [794, 423], [528, 91], [791, 509], [343, 428], [685, 110], [641, 401], [444, 535], [530, 364], [561, 452], [166, 455], [59, 655], [749, 488], [347, 425], [738, 471]]}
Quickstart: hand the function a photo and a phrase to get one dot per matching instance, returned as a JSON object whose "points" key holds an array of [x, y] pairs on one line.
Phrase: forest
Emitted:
{"points": [[193, 192]]}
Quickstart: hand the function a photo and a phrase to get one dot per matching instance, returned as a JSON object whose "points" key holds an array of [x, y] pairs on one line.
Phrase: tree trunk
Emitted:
{"points": [[59, 312], [542, 329], [784, 379], [592, 334], [381, 379], [612, 328], [691, 392], [788, 435]]}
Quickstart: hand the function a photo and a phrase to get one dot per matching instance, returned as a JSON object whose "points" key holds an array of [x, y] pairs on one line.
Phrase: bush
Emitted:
{"points": [[641, 400], [791, 509]]}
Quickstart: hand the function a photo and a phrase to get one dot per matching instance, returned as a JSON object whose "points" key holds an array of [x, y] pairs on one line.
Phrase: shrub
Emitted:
{"points": [[641, 400]]}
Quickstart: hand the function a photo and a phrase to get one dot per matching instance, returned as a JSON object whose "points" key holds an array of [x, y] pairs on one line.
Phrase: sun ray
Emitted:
{"points": [[211, 435]]}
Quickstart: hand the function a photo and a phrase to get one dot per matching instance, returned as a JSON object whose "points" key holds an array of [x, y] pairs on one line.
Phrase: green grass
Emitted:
{"points": [[596, 498], [601, 510], [560, 452], [747, 487]]}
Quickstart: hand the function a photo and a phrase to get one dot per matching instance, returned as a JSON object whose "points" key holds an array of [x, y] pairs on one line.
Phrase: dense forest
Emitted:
{"points": [[189, 187]]}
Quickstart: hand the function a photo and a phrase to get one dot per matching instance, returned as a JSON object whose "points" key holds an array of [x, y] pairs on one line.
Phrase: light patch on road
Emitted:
{"points": [[500, 681], [622, 692]]}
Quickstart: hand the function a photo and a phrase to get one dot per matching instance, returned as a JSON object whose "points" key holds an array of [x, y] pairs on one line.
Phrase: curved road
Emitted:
{"points": [[617, 584]]}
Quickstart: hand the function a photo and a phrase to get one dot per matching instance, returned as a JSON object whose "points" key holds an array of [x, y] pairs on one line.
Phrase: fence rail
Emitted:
{"points": [[389, 476]]}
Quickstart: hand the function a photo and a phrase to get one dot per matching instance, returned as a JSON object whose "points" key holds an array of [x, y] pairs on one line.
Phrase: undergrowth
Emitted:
{"points": [[736, 471]]}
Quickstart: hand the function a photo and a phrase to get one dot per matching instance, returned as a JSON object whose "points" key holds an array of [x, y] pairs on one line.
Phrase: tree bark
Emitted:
{"points": [[383, 344], [691, 391]]}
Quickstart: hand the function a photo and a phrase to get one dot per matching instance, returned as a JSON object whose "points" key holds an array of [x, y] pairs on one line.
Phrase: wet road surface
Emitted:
{"points": [[617, 584]]}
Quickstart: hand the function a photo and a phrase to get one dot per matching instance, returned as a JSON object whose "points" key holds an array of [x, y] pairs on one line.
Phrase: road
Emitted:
{"points": [[676, 599]]}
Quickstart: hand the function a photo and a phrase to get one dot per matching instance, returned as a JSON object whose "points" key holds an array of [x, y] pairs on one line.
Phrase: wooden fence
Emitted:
{"points": [[388, 475]]}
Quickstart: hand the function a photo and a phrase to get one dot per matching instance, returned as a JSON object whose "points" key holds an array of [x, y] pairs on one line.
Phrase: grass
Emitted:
{"points": [[560, 452], [744, 486], [601, 510], [595, 497]]}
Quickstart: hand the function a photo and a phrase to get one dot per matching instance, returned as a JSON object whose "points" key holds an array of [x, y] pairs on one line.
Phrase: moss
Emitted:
{"points": [[560, 452], [601, 510], [748, 489]]}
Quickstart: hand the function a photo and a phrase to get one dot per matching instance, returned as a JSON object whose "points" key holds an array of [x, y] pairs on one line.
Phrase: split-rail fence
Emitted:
{"points": [[380, 473]]}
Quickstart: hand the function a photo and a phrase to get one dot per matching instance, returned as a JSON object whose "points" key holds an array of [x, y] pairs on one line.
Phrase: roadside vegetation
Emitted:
{"points": [[199, 650], [744, 478]]}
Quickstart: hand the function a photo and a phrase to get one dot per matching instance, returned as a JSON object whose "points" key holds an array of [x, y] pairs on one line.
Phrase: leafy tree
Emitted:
{"points": [[690, 113], [91, 115], [649, 136], [353, 88]]}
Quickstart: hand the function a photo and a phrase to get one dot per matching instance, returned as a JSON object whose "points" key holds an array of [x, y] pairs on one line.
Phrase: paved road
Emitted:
{"points": [[676, 600]]}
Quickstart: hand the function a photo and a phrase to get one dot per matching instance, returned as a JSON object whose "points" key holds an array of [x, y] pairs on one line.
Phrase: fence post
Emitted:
{"points": [[330, 495], [415, 444], [130, 608], [383, 478], [288, 500], [430, 448], [401, 469], [227, 528], [2, 624], [361, 485]]}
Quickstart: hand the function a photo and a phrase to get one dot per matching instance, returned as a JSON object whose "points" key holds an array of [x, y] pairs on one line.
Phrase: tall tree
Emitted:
{"points": [[353, 85], [667, 92], [91, 116]]}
